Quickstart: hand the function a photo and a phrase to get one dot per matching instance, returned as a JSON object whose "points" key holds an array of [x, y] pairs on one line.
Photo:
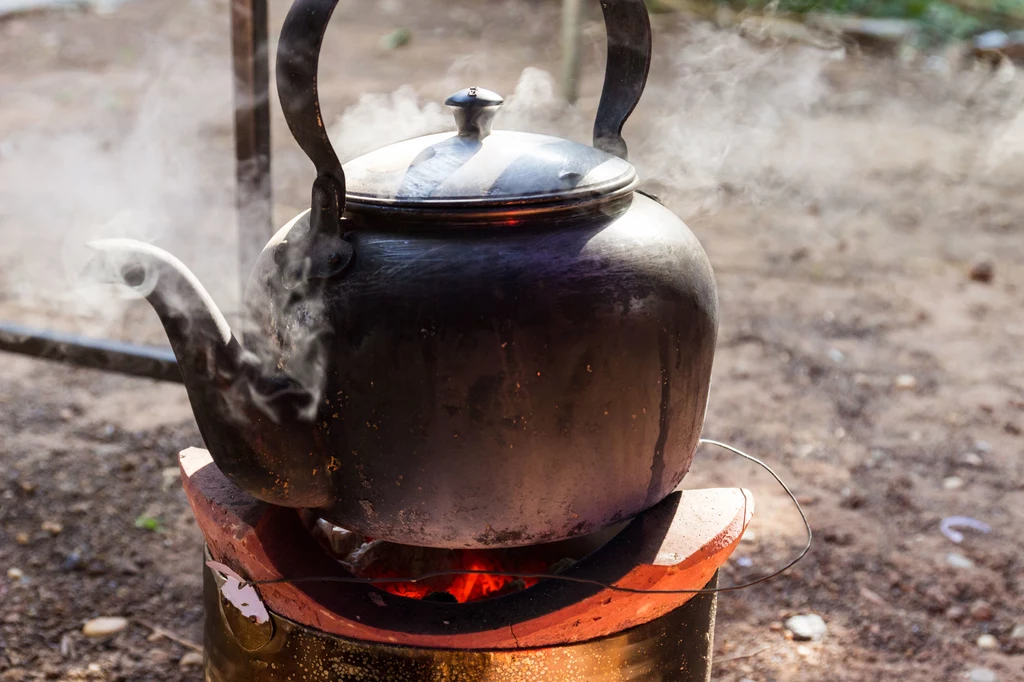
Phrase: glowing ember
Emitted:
{"points": [[366, 557], [471, 586]]}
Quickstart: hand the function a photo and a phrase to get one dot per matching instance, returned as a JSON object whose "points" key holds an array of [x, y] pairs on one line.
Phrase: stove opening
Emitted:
{"points": [[466, 587], [369, 558]]}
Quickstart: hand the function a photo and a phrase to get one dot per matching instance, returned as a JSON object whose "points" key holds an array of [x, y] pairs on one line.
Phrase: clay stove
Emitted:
{"points": [[556, 630]]}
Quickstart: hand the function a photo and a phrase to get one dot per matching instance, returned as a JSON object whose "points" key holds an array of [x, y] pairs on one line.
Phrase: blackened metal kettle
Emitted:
{"points": [[473, 339]]}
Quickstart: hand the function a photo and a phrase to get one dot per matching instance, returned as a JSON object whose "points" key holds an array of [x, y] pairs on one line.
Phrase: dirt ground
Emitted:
{"points": [[844, 200]]}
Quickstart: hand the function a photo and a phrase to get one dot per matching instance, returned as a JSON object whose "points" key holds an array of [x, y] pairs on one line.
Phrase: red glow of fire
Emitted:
{"points": [[469, 586]]}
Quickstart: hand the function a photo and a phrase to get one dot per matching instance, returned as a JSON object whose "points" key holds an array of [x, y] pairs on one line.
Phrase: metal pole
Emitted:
{"points": [[250, 55], [571, 50], [110, 356]]}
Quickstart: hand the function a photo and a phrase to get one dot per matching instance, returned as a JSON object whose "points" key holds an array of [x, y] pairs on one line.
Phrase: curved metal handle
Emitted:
{"points": [[298, 56], [629, 59]]}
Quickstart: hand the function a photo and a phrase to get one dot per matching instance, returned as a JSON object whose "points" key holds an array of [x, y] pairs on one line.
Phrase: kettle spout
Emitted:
{"points": [[195, 326], [242, 404]]}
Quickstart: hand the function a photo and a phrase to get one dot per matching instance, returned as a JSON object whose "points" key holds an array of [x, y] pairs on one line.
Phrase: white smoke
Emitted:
{"points": [[721, 117], [152, 173], [378, 119]]}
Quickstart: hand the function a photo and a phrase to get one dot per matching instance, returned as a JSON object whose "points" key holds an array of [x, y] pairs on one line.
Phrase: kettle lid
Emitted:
{"points": [[474, 172]]}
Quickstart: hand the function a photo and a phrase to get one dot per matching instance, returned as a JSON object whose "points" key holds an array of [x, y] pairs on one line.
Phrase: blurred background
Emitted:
{"points": [[852, 167]]}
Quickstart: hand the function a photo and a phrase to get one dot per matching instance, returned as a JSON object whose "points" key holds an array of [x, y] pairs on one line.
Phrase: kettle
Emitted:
{"points": [[474, 339]]}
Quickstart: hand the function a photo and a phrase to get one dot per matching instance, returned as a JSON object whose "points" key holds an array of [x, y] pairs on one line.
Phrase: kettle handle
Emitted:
{"points": [[628, 26], [298, 56], [627, 23]]}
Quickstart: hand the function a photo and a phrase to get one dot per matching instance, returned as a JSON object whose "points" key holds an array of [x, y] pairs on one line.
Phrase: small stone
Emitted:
{"points": [[72, 562], [983, 446], [991, 40], [104, 626], [807, 628], [124, 566], [973, 459], [952, 483], [906, 382], [1018, 631], [15, 574], [872, 597], [956, 613], [192, 658], [983, 271], [981, 610], [22, 539], [96, 567], [775, 626], [800, 253], [982, 675], [937, 596], [27, 487], [170, 477], [987, 641], [67, 646], [52, 527], [958, 560], [836, 355]]}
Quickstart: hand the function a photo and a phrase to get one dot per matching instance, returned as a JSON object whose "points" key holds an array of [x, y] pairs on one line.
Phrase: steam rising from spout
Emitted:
{"points": [[211, 358]]}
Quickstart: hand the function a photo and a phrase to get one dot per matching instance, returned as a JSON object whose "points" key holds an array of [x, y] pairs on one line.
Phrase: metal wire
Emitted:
{"points": [[573, 579]]}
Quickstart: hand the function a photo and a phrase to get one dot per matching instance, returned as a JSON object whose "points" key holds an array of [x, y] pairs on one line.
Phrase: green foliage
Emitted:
{"points": [[940, 20], [149, 523]]}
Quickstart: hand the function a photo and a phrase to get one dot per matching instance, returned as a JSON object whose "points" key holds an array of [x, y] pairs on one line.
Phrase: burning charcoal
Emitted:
{"points": [[517, 585], [562, 565], [442, 597]]}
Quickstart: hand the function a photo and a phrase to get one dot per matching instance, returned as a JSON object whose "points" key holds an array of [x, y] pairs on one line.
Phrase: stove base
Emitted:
{"points": [[673, 648]]}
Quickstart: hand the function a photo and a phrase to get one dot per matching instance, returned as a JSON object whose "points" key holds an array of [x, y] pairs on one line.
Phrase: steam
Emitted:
{"points": [[722, 118], [726, 119], [381, 119], [724, 115], [716, 111], [150, 174]]}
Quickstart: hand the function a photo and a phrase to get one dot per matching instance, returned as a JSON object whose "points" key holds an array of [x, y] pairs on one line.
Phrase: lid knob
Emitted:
{"points": [[474, 110]]}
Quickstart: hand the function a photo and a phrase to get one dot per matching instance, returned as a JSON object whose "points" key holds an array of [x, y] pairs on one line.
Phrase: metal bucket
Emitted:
{"points": [[674, 648]]}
